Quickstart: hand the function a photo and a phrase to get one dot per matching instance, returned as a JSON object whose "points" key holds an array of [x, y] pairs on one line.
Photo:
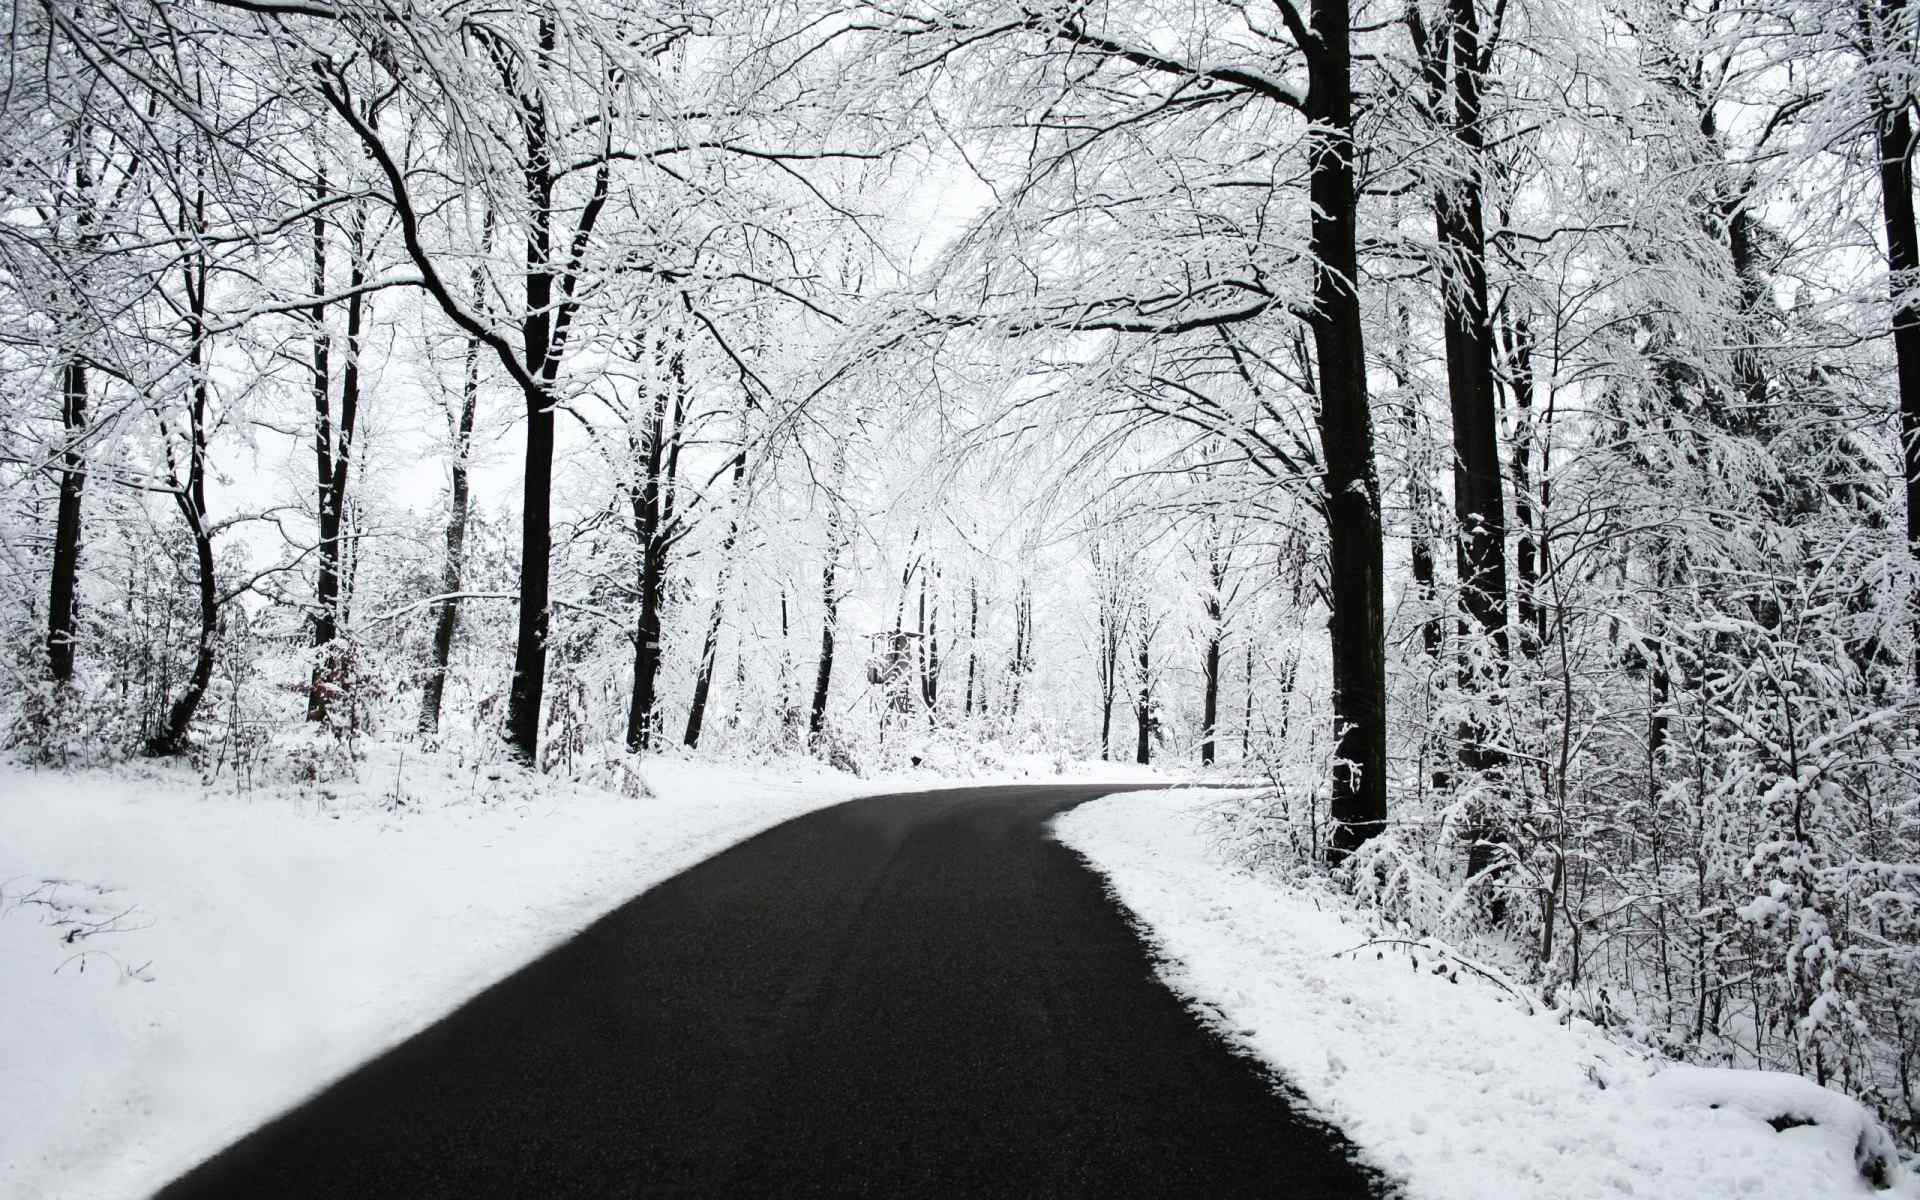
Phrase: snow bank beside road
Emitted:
{"points": [[177, 966], [1443, 1081]]}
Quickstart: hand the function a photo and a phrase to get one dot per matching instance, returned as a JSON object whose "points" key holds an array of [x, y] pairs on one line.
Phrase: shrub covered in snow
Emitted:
{"points": [[1787, 1102]]}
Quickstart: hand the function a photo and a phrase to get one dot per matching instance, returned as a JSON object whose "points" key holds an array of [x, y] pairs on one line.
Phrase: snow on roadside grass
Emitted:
{"points": [[1449, 1086]]}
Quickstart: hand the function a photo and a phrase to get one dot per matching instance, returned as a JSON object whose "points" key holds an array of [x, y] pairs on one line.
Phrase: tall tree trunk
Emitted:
{"points": [[646, 658], [334, 449], [1453, 66], [1210, 671], [1246, 725], [830, 618], [1143, 706], [190, 496], [973, 633], [653, 517], [542, 371], [710, 647], [1525, 556], [452, 578], [1355, 573], [63, 586], [1109, 673], [929, 648], [1468, 334], [63, 593], [1022, 644], [328, 521], [1894, 135]]}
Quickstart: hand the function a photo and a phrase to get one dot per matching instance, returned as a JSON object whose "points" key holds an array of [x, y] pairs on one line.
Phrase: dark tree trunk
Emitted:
{"points": [[536, 490], [652, 496], [1355, 585], [973, 633], [1143, 706], [62, 599], [830, 618], [1210, 668], [1525, 557], [1749, 366], [1215, 603], [1022, 645], [530, 640], [1468, 333], [929, 648], [452, 577], [646, 659], [322, 376], [1246, 724], [63, 586], [710, 646], [1289, 672], [333, 446], [1420, 499], [1453, 66], [1893, 128], [190, 496], [1109, 672]]}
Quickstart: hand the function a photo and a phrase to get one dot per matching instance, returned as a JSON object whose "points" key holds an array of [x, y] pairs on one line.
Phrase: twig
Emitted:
{"points": [[1456, 956]]}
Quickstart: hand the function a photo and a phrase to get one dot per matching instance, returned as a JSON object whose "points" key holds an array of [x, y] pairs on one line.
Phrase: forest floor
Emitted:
{"points": [[181, 960], [1459, 1085]]}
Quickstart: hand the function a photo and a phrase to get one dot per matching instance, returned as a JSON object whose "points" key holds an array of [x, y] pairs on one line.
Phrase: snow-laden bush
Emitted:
{"points": [[1788, 1102], [77, 724]]}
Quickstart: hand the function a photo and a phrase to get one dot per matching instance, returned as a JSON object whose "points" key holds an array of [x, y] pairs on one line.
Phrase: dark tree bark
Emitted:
{"points": [[1531, 614], [1894, 139], [333, 458], [1143, 702], [973, 634], [68, 534], [536, 491], [1110, 628], [710, 646], [190, 496], [1110, 636], [1022, 645], [656, 456], [1214, 602], [830, 619], [1453, 65], [1420, 491], [63, 593], [452, 578], [1211, 703], [929, 647], [1355, 574], [1246, 724]]}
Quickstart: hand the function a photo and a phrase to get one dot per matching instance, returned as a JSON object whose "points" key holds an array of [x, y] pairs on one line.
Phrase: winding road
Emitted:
{"points": [[909, 995]]}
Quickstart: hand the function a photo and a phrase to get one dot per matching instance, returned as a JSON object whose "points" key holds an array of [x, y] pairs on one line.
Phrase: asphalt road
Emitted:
{"points": [[913, 995]]}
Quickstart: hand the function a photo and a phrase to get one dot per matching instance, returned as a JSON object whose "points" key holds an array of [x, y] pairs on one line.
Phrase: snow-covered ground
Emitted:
{"points": [[178, 962], [1443, 1079]]}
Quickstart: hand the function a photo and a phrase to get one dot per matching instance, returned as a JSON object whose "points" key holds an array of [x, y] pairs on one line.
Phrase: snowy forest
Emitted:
{"points": [[1490, 426]]}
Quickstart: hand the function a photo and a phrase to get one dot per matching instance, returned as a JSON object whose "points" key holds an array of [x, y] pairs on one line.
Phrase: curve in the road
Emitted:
{"points": [[912, 995]]}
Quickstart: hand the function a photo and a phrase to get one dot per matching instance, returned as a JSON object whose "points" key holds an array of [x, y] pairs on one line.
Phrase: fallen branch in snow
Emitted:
{"points": [[1486, 973], [140, 972]]}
